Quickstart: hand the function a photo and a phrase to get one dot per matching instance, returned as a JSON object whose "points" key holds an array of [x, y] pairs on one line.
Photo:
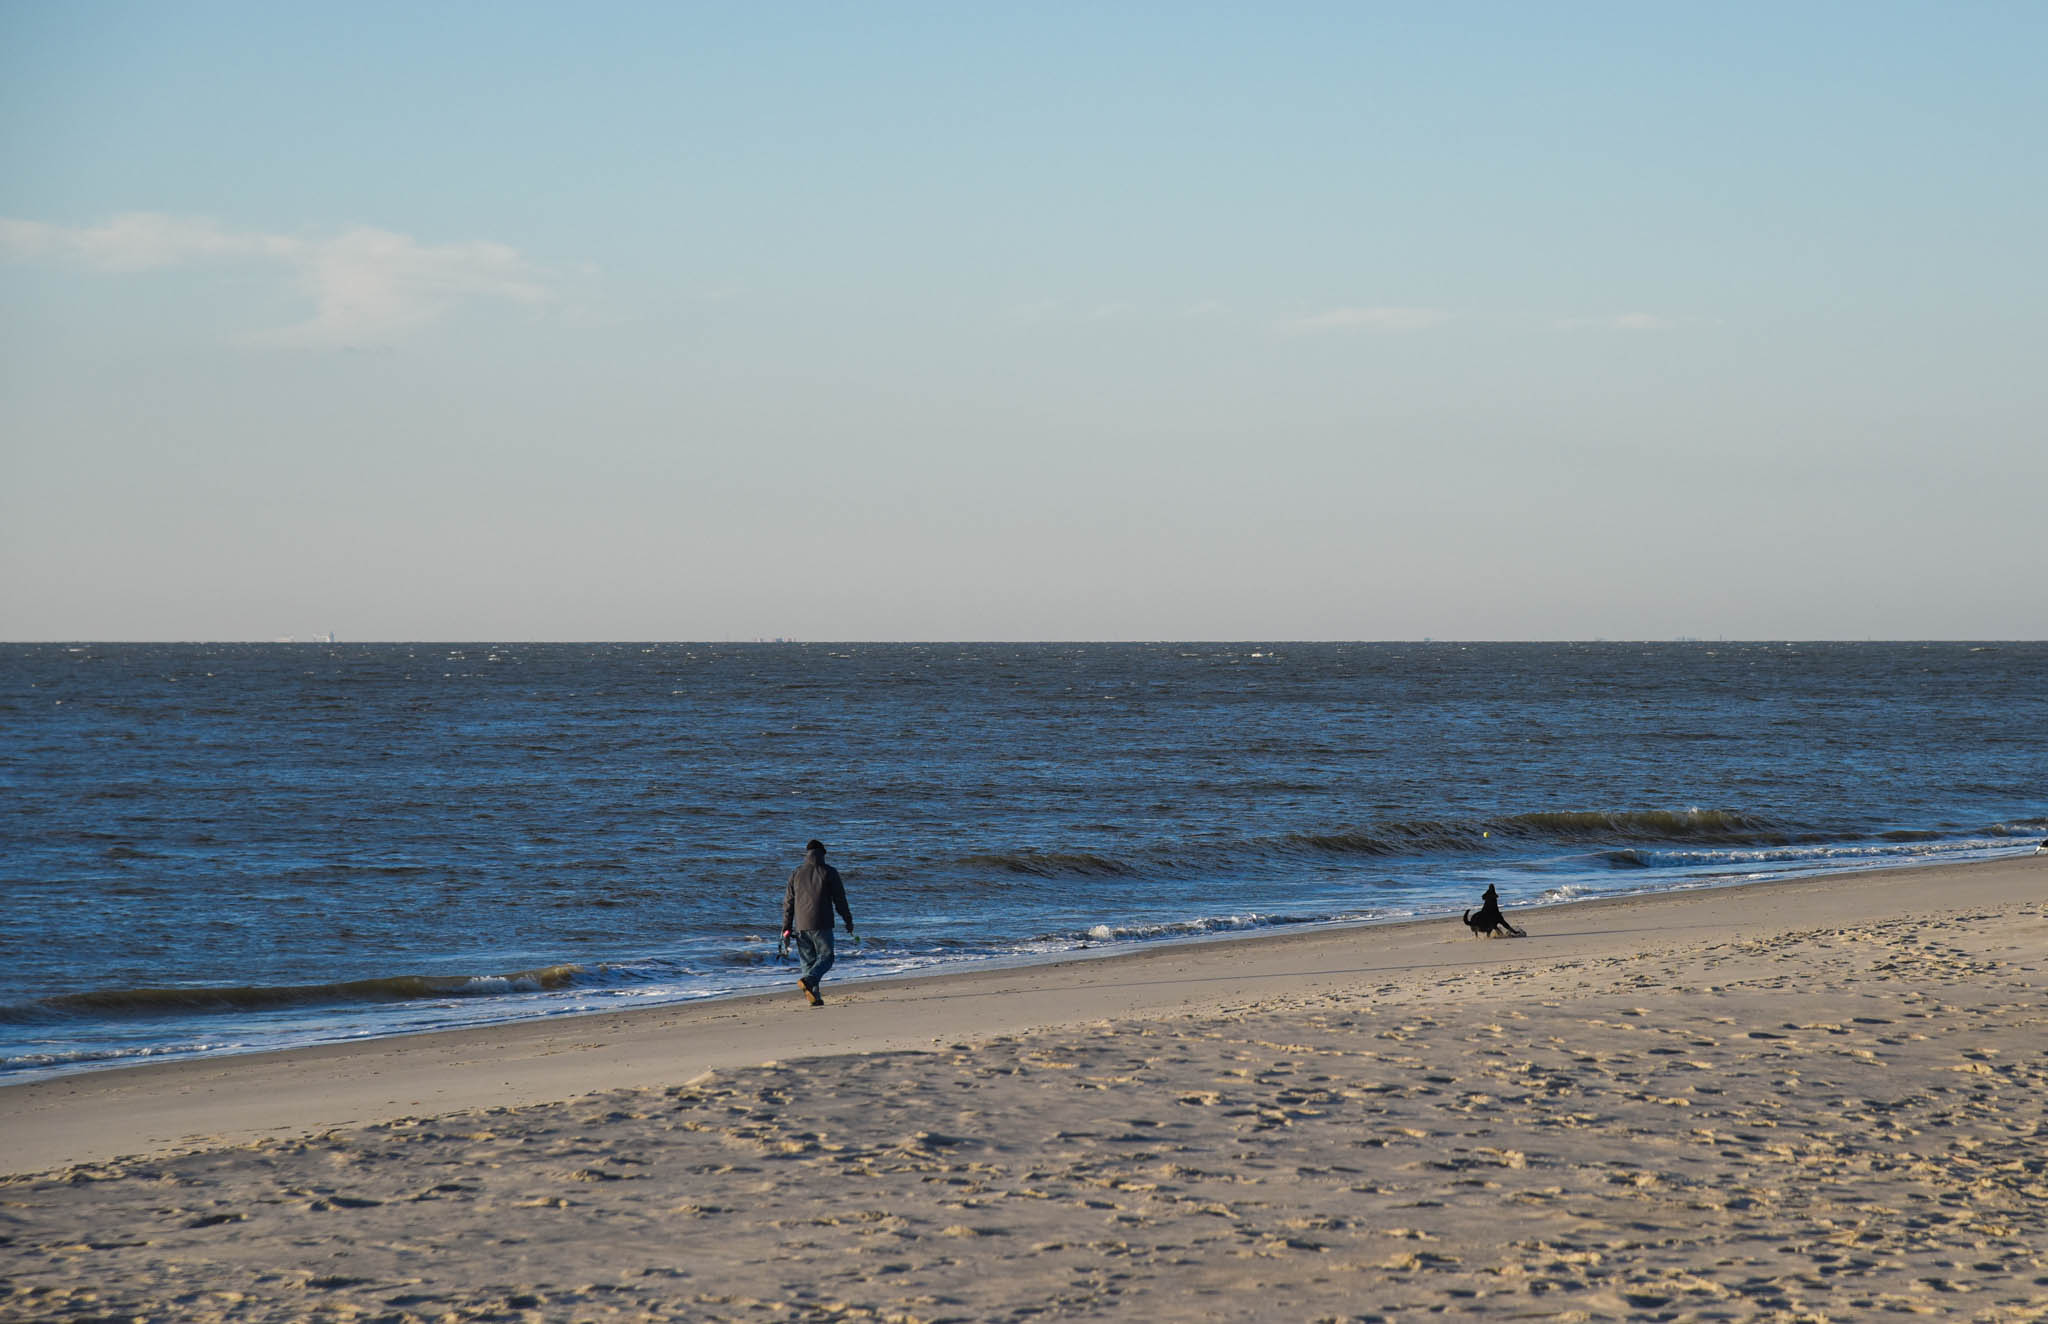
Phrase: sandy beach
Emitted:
{"points": [[1811, 1100]]}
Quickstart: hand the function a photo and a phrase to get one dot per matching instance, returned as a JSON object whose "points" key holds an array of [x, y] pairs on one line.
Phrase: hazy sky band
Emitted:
{"points": [[925, 322]]}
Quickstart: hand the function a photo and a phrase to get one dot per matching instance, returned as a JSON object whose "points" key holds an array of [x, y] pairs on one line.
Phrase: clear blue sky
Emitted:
{"points": [[955, 322]]}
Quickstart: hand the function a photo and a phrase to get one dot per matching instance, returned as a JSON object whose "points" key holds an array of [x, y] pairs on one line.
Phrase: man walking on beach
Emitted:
{"points": [[814, 893]]}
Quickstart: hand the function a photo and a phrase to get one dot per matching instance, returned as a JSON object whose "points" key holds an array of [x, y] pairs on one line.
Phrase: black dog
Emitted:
{"points": [[1489, 921]]}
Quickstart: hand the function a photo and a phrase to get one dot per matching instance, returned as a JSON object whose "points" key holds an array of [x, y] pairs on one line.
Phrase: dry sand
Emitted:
{"points": [[1801, 1101]]}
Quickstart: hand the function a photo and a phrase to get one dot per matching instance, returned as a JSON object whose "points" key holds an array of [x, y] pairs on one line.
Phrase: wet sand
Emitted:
{"points": [[1820, 1099]]}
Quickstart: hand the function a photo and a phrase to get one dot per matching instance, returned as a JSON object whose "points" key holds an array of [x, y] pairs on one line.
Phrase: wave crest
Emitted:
{"points": [[1052, 864], [1562, 826], [124, 1003]]}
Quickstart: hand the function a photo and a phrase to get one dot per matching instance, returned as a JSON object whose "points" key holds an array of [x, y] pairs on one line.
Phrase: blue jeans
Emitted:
{"points": [[814, 954]]}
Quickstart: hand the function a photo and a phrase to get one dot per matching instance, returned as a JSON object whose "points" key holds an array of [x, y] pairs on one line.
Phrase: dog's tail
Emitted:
{"points": [[1468, 919]]}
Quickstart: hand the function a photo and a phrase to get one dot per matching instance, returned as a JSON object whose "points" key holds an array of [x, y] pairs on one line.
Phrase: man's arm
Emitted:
{"points": [[789, 903], [839, 900]]}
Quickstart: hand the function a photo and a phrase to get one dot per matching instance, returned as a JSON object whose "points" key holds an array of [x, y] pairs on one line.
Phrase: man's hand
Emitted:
{"points": [[785, 935]]}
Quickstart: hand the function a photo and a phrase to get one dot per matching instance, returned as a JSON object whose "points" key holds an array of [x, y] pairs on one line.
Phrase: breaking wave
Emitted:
{"points": [[126, 1003], [1197, 927], [1629, 839]]}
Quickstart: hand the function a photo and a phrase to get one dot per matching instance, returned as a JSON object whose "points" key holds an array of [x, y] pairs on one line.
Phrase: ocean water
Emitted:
{"points": [[218, 848]]}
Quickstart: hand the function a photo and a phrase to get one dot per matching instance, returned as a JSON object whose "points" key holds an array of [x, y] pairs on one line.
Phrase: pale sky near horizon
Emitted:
{"points": [[881, 321]]}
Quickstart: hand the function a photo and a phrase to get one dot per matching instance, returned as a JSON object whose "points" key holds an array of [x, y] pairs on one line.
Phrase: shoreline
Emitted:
{"points": [[157, 1107], [1105, 949], [1800, 1099]]}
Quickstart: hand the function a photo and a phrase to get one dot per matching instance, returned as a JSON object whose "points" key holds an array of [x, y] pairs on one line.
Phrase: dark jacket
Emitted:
{"points": [[814, 893]]}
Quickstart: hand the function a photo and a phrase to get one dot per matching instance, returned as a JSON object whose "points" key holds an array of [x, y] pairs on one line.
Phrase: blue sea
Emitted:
{"points": [[211, 849]]}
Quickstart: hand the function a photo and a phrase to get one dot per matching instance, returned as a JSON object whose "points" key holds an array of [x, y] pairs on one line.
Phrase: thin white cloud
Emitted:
{"points": [[365, 284], [1618, 322], [1368, 319], [378, 284], [139, 241]]}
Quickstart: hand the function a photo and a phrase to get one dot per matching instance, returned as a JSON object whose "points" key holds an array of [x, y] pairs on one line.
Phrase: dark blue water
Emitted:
{"points": [[209, 848]]}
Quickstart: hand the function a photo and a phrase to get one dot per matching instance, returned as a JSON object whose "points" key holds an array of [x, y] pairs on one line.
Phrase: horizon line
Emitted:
{"points": [[789, 642]]}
